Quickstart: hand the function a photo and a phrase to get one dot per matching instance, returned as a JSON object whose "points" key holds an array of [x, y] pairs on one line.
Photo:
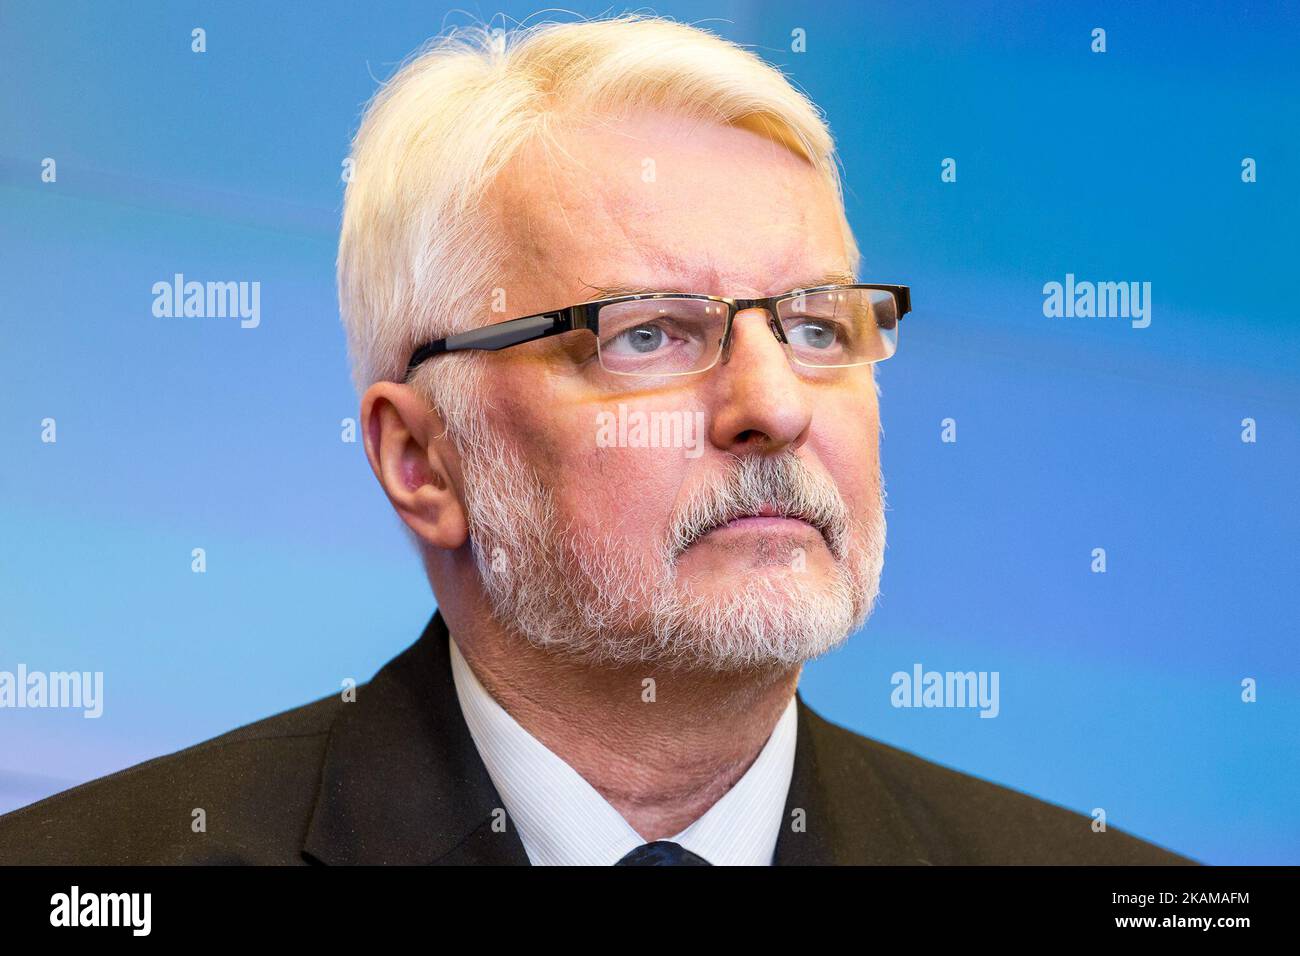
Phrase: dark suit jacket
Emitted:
{"points": [[394, 777]]}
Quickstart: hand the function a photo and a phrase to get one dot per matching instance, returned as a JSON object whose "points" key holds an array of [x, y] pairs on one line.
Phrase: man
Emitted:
{"points": [[618, 383]]}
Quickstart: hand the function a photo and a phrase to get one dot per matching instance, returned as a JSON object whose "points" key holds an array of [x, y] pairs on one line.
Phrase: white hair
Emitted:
{"points": [[418, 254]]}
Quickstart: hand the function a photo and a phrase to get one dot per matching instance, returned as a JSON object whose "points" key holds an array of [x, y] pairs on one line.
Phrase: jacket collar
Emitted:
{"points": [[403, 783], [840, 809]]}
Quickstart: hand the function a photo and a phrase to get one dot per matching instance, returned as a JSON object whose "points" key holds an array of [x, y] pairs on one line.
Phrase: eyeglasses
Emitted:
{"points": [[668, 333]]}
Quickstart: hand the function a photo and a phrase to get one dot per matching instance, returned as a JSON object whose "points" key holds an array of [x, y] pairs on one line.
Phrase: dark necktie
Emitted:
{"points": [[662, 853]]}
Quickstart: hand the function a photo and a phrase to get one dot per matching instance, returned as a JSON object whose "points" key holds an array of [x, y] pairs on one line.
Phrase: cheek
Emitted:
{"points": [[848, 443], [627, 494]]}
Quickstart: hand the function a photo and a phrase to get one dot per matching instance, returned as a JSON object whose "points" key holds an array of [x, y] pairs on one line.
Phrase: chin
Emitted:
{"points": [[768, 621], [772, 581], [730, 612]]}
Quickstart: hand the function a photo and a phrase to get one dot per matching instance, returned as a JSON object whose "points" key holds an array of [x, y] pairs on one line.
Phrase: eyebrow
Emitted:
{"points": [[611, 292]]}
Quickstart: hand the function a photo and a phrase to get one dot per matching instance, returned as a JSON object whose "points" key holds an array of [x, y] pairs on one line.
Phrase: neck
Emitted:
{"points": [[660, 753]]}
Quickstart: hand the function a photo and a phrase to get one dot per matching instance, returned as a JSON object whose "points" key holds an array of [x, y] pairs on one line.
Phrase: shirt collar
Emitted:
{"points": [[563, 820]]}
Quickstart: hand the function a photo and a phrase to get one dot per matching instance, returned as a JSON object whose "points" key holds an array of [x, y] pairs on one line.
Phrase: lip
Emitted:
{"points": [[764, 522]]}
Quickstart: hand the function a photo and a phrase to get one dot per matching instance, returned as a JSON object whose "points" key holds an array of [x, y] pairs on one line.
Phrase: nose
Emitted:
{"points": [[759, 403]]}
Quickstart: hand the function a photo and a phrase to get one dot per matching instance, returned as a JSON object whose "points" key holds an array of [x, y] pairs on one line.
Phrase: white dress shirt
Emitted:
{"points": [[562, 819]]}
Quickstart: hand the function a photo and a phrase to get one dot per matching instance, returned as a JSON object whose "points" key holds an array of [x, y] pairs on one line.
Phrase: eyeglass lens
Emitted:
{"points": [[672, 336]]}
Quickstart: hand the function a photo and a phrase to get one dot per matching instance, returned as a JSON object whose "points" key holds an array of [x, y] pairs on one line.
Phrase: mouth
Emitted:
{"points": [[769, 518]]}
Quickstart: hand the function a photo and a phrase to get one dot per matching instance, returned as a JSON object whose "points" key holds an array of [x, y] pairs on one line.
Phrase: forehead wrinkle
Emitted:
{"points": [[712, 283], [645, 263], [660, 269], [649, 257]]}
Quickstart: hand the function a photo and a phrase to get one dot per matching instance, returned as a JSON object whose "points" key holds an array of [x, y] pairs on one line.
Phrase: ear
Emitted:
{"points": [[415, 463]]}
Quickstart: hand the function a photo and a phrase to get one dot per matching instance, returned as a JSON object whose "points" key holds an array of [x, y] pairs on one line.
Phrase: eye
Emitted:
{"points": [[814, 334], [650, 336], [640, 340]]}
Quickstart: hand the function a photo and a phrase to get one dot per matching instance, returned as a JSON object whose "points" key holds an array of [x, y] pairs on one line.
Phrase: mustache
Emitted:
{"points": [[782, 483]]}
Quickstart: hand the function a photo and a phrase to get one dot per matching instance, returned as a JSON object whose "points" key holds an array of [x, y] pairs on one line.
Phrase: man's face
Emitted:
{"points": [[588, 539]]}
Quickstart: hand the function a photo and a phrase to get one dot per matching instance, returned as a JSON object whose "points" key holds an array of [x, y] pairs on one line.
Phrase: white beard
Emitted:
{"points": [[592, 599]]}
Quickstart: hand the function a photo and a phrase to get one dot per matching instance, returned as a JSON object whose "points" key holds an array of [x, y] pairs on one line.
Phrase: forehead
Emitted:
{"points": [[665, 202]]}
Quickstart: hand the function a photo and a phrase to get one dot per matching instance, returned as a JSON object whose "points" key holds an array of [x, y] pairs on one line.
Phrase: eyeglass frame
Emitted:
{"points": [[586, 315]]}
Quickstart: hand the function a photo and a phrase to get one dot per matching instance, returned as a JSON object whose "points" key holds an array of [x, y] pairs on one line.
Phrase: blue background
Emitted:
{"points": [[1118, 690]]}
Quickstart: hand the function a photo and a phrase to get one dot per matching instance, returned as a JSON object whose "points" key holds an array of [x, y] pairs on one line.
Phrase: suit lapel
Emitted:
{"points": [[838, 810], [402, 781]]}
